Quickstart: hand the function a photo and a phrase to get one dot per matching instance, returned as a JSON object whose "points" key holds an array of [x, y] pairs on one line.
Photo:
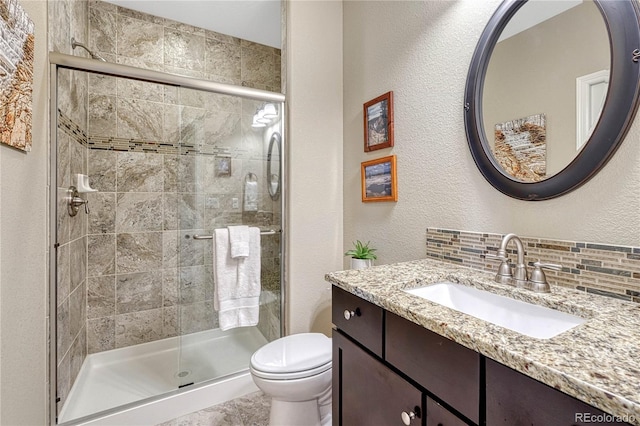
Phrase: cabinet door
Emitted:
{"points": [[366, 392], [445, 368], [514, 399], [437, 415]]}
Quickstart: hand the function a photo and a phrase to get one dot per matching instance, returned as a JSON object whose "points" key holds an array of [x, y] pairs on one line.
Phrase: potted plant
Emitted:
{"points": [[362, 256]]}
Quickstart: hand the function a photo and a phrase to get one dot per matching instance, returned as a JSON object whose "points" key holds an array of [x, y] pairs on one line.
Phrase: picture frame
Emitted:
{"points": [[223, 165], [16, 84], [379, 181], [378, 122]]}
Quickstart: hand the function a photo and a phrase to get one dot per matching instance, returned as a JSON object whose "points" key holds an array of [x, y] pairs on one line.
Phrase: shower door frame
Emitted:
{"points": [[75, 63]]}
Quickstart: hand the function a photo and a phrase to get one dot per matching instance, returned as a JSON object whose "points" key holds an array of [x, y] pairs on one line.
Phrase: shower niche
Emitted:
{"points": [[133, 289]]}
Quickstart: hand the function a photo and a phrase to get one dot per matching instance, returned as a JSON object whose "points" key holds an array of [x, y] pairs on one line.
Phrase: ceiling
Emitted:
{"points": [[535, 12], [254, 20]]}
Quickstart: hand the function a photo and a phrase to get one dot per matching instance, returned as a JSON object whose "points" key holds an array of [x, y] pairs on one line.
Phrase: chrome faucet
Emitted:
{"points": [[505, 276], [519, 276]]}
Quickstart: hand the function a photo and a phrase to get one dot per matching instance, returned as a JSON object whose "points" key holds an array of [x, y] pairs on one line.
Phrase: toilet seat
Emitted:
{"points": [[293, 357]]}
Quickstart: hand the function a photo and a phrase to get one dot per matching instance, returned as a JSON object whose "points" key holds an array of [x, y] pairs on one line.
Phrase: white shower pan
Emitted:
{"points": [[129, 375]]}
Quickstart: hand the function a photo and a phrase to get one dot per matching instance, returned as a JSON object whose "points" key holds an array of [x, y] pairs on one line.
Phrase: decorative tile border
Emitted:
{"points": [[603, 269], [108, 143], [75, 132]]}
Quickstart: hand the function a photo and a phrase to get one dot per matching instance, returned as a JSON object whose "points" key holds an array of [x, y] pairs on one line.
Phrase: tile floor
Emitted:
{"points": [[249, 410]]}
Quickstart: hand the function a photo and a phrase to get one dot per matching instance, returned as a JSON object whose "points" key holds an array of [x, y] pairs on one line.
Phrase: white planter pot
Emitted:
{"points": [[361, 263]]}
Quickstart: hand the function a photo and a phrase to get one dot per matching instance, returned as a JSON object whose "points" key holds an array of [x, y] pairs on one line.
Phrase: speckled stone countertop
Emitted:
{"points": [[597, 362]]}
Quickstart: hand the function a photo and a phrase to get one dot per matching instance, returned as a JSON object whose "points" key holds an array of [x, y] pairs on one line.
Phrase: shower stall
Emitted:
{"points": [[145, 165]]}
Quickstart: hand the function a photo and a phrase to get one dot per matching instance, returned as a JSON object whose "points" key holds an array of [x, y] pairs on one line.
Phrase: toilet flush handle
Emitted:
{"points": [[348, 314]]}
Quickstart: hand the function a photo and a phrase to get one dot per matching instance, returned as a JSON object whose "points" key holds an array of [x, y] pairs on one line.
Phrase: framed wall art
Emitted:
{"points": [[223, 165], [17, 43], [379, 181], [378, 122]]}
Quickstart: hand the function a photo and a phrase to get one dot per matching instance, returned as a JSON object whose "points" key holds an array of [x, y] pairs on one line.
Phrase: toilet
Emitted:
{"points": [[295, 371]]}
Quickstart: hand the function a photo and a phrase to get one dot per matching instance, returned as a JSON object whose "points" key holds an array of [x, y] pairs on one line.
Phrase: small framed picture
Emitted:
{"points": [[379, 181], [378, 122], [223, 165]]}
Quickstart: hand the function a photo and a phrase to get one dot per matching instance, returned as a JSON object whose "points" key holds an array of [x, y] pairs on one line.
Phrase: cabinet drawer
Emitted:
{"points": [[443, 367], [515, 399], [366, 392], [437, 415], [365, 326]]}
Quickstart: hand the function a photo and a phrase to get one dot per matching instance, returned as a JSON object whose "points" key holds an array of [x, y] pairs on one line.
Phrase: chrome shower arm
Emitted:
{"points": [[75, 44]]}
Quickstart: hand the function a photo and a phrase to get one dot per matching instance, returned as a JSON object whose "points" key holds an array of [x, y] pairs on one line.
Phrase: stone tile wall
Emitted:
{"points": [[127, 274], [71, 20], [604, 269], [133, 38], [71, 267], [147, 279]]}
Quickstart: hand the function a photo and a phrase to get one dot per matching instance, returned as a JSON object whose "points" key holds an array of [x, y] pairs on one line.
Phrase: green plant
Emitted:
{"points": [[361, 251]]}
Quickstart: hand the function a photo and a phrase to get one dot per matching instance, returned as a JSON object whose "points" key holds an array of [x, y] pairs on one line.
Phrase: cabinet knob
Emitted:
{"points": [[407, 417], [348, 314]]}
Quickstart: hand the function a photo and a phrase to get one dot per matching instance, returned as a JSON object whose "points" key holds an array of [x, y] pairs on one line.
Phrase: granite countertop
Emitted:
{"points": [[596, 362]]}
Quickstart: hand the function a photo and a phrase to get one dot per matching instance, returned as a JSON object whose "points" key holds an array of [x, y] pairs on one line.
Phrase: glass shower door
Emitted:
{"points": [[221, 180]]}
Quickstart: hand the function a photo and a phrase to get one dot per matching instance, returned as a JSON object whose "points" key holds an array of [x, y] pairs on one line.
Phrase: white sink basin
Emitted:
{"points": [[525, 318]]}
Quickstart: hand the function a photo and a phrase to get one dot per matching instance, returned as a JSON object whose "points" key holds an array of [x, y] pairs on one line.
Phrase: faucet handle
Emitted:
{"points": [[553, 266], [538, 281], [504, 275], [498, 256]]}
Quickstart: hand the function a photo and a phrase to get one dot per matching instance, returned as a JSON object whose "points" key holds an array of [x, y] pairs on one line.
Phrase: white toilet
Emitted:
{"points": [[295, 371]]}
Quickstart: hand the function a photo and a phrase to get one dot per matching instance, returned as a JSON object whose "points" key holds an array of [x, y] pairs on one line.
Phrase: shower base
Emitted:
{"points": [[125, 377]]}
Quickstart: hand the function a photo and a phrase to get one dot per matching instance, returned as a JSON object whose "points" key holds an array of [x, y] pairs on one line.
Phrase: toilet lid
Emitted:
{"points": [[297, 353]]}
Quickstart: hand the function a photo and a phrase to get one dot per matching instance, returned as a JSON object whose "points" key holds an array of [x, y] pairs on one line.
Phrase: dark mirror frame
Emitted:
{"points": [[623, 25], [276, 140]]}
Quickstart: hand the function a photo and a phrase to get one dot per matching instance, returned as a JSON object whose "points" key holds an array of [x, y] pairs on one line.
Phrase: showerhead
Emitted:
{"points": [[75, 44]]}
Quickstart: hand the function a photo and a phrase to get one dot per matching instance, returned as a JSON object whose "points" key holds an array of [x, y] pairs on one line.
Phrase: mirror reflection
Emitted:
{"points": [[545, 87], [273, 166]]}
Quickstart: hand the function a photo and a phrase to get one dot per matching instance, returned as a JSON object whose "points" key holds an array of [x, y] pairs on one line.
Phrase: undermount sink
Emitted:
{"points": [[524, 318]]}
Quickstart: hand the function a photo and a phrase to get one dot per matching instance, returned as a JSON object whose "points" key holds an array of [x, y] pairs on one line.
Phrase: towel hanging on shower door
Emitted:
{"points": [[237, 281], [250, 193]]}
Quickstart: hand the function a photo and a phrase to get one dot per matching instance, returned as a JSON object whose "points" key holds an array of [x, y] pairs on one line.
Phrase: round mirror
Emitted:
{"points": [[273, 166], [551, 92]]}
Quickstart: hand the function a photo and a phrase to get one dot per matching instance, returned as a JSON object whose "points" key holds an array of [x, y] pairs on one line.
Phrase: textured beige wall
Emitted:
{"points": [[23, 260], [314, 95], [422, 51]]}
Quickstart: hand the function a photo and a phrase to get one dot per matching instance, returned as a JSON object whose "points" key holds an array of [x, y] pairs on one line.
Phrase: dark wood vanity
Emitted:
{"points": [[388, 370]]}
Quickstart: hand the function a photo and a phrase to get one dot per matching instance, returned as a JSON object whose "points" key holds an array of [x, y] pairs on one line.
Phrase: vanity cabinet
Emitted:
{"points": [[437, 415], [516, 399], [370, 392], [390, 371], [368, 389]]}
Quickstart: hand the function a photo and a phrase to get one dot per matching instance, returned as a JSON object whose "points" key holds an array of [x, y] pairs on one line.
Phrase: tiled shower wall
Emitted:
{"points": [[71, 17], [604, 269], [141, 265], [101, 280], [133, 38], [148, 279]]}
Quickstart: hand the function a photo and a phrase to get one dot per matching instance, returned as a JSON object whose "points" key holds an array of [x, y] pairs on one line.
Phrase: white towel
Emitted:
{"points": [[239, 241], [250, 196], [237, 281]]}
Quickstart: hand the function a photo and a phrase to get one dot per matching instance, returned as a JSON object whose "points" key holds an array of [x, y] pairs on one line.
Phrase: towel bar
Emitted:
{"points": [[210, 237]]}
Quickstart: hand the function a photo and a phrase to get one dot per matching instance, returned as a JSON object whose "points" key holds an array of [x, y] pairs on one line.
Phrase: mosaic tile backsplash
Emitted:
{"points": [[604, 269]]}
